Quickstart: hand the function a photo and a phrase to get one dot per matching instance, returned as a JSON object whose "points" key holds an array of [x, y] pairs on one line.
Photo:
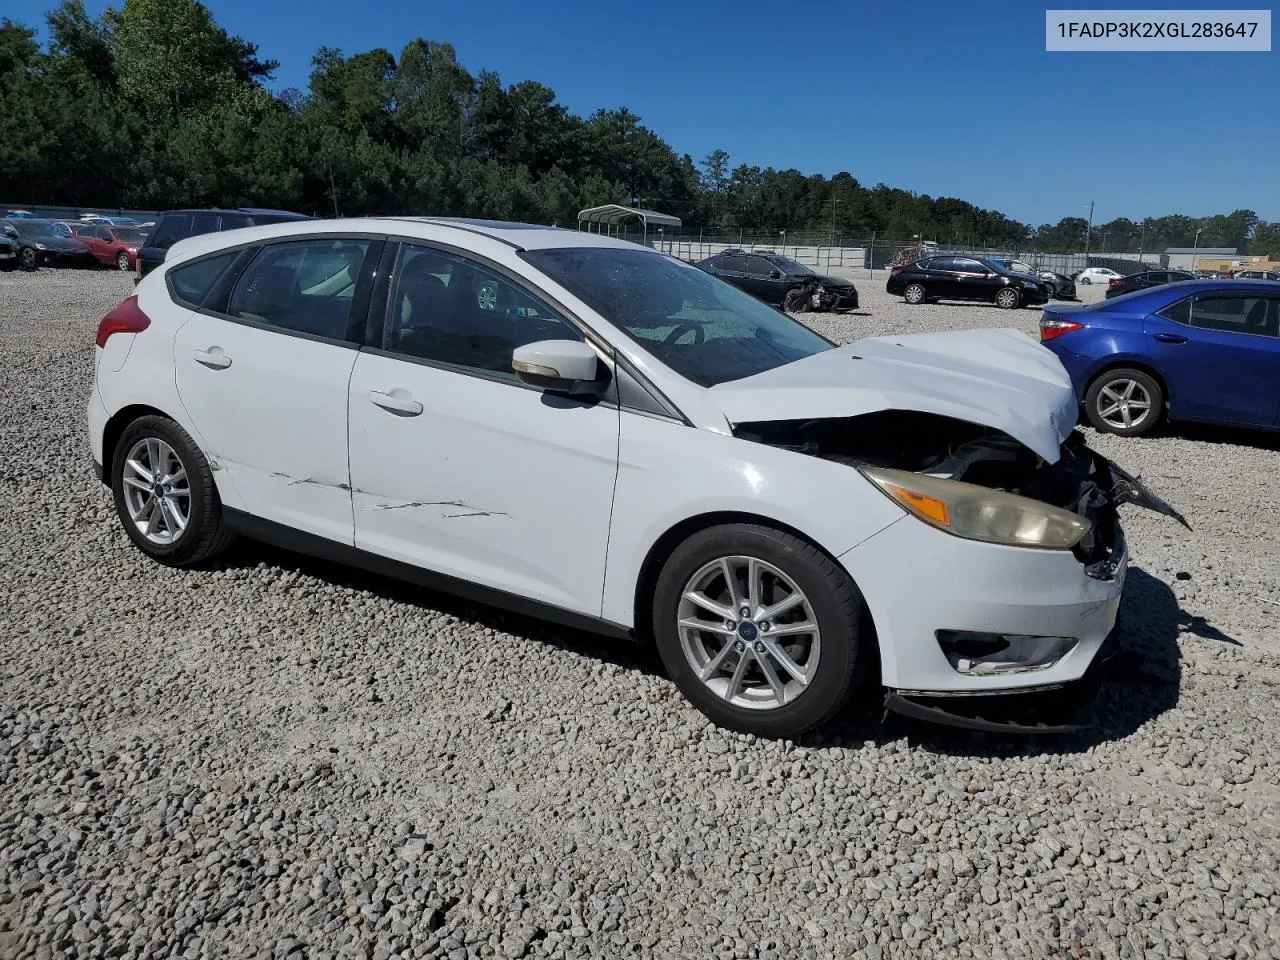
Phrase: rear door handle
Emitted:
{"points": [[1170, 338], [405, 406], [213, 358]]}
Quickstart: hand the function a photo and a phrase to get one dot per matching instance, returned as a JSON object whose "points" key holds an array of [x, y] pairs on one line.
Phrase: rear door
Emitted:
{"points": [[940, 277], [1220, 355], [263, 365]]}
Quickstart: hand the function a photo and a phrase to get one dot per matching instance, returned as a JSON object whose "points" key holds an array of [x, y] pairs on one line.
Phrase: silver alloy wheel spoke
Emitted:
{"points": [[706, 603], [740, 671], [771, 675], [793, 629], [714, 663], [787, 664], [731, 618], [140, 471]]}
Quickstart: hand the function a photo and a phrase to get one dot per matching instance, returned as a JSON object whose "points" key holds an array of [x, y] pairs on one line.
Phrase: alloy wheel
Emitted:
{"points": [[157, 493], [1007, 298], [1124, 404], [487, 296], [914, 293], [749, 632]]}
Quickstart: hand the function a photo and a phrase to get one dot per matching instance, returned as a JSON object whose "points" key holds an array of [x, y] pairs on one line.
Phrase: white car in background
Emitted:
{"points": [[597, 432], [1096, 275]]}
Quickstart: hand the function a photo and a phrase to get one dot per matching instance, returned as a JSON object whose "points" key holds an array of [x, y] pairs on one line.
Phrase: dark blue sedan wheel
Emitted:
{"points": [[1125, 402]]}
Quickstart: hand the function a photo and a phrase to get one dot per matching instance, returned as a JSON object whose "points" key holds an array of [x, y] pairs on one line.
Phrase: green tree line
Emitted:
{"points": [[154, 105]]}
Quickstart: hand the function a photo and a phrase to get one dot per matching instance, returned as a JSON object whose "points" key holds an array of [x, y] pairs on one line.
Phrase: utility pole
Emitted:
{"points": [[1195, 247], [1087, 234], [1142, 240], [834, 201]]}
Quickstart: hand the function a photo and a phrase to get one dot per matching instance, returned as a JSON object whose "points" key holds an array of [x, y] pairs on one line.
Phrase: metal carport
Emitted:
{"points": [[611, 217]]}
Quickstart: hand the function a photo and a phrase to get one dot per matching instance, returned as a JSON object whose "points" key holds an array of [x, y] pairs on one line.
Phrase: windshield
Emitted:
{"points": [[789, 265], [32, 228], [128, 236], [698, 325]]}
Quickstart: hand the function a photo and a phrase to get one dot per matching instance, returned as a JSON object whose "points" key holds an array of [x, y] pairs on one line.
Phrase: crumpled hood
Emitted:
{"points": [[998, 378], [831, 283]]}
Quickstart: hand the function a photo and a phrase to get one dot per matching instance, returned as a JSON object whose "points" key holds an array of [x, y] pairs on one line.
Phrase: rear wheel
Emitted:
{"points": [[1125, 402], [915, 293], [759, 629], [165, 494]]}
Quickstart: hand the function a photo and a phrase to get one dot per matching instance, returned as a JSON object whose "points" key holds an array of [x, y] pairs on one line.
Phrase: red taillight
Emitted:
{"points": [[126, 318], [1115, 281], [1051, 327], [893, 270]]}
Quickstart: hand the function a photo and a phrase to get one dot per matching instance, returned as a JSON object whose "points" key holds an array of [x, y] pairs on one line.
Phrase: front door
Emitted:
{"points": [[459, 467], [264, 379], [1220, 355]]}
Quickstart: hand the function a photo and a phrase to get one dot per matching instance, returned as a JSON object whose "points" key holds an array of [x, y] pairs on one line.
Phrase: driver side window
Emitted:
{"points": [[449, 310]]}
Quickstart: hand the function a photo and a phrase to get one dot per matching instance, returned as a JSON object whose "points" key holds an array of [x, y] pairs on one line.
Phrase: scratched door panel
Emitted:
{"points": [[491, 482], [274, 418]]}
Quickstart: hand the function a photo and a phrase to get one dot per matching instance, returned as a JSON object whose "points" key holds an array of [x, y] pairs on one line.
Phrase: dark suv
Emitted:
{"points": [[1144, 281], [965, 278], [781, 281], [175, 225]]}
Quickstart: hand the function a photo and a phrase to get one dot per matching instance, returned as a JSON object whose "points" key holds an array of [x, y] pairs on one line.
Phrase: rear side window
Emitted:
{"points": [[306, 286], [203, 223], [171, 228], [733, 264], [234, 221], [191, 283], [1255, 315]]}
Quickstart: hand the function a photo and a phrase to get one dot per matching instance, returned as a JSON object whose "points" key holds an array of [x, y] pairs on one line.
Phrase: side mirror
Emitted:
{"points": [[567, 367], [774, 275]]}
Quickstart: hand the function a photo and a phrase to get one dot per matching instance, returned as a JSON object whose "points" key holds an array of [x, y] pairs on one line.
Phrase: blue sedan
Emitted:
{"points": [[1205, 350]]}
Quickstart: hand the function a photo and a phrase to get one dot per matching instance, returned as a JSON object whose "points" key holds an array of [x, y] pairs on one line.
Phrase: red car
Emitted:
{"points": [[114, 246]]}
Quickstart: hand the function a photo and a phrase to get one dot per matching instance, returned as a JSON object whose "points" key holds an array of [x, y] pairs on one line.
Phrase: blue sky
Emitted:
{"points": [[942, 98]]}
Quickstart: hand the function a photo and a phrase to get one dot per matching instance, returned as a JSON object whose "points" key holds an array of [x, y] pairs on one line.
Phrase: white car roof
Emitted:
{"points": [[519, 236]]}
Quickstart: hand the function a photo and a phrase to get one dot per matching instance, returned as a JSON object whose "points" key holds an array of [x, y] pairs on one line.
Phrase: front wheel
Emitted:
{"points": [[29, 258], [1085, 280], [1007, 298], [795, 301], [759, 630], [122, 261], [165, 494]]}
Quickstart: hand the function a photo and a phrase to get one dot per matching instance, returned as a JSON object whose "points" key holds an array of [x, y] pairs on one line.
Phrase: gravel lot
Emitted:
{"points": [[282, 758]]}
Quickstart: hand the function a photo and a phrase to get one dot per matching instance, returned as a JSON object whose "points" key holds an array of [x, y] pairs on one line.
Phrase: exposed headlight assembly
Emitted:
{"points": [[977, 513], [41, 246], [1029, 285]]}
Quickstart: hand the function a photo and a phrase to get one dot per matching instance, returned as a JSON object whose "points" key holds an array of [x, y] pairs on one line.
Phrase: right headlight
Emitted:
{"points": [[978, 513]]}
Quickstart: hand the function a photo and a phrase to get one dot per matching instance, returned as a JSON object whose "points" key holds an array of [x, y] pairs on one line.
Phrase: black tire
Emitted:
{"points": [[1007, 298], [1094, 401], [915, 293], [122, 261], [837, 607], [205, 535], [1085, 280], [28, 258], [795, 301]]}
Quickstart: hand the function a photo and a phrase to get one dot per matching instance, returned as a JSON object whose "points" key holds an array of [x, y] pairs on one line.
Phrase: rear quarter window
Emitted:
{"points": [[190, 283], [170, 230]]}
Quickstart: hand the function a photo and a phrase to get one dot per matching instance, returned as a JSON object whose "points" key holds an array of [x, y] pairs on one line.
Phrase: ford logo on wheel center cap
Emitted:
{"points": [[747, 630]]}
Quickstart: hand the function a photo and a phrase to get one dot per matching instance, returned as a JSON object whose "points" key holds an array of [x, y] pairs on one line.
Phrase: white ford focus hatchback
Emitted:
{"points": [[587, 429]]}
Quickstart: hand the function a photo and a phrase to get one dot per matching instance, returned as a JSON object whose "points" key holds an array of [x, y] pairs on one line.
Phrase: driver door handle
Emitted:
{"points": [[213, 358], [1170, 338], [401, 405]]}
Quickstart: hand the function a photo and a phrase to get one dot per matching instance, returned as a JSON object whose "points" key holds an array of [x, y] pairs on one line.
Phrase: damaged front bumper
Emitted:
{"points": [[1064, 707]]}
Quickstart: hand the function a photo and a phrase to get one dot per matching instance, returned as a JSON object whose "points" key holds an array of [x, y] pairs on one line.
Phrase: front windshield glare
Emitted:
{"points": [[699, 326]]}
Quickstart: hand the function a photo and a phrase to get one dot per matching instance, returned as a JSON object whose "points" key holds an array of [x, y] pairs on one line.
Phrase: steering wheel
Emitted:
{"points": [[699, 334]]}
